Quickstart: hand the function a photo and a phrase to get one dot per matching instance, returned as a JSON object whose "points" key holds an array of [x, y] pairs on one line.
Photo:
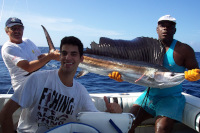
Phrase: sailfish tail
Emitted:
{"points": [[49, 41]]}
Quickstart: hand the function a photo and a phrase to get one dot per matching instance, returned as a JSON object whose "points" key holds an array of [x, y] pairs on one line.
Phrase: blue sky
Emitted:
{"points": [[91, 19]]}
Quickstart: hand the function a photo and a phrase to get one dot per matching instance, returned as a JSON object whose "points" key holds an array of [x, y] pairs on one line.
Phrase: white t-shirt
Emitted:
{"points": [[13, 53], [47, 102]]}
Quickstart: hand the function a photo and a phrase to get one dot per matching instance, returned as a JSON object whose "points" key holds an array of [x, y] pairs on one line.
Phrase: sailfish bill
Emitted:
{"points": [[139, 61]]}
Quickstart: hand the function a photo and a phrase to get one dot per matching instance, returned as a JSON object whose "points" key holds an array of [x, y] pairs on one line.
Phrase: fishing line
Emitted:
{"points": [[13, 8], [1, 10], [145, 99], [27, 7], [9, 89], [2, 7]]}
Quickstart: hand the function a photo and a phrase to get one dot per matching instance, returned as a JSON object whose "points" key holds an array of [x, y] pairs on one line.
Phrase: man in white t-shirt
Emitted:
{"points": [[52, 97], [20, 55]]}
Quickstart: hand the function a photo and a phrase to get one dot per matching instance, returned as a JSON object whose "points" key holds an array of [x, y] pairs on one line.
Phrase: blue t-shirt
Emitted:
{"points": [[170, 64]]}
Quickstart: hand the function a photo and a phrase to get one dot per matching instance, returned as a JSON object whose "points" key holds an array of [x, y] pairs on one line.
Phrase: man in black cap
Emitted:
{"points": [[166, 104], [21, 56]]}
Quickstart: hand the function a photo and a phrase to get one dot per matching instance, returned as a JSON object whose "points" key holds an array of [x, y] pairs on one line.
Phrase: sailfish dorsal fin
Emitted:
{"points": [[139, 49]]}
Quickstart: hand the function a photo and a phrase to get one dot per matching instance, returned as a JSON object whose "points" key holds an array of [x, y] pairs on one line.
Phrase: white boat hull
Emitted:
{"points": [[190, 122]]}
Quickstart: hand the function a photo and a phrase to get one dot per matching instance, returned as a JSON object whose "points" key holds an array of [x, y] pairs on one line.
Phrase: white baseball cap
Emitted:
{"points": [[167, 18]]}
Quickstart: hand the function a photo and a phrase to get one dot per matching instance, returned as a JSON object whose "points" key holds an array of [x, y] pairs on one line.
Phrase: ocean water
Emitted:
{"points": [[95, 83]]}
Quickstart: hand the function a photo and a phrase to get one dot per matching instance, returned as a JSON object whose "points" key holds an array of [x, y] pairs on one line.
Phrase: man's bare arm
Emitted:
{"points": [[37, 64], [190, 59]]}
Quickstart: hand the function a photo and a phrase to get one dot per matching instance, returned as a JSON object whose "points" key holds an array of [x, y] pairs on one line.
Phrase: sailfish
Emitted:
{"points": [[139, 61]]}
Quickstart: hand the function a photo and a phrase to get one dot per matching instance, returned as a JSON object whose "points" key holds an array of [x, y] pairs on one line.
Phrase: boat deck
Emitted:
{"points": [[126, 100]]}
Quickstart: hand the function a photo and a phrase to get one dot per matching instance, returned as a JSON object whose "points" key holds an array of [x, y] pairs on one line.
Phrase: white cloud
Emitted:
{"points": [[60, 26], [40, 19], [63, 25]]}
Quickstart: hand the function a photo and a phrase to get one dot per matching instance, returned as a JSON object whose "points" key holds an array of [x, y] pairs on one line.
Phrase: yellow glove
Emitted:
{"points": [[116, 76], [192, 75]]}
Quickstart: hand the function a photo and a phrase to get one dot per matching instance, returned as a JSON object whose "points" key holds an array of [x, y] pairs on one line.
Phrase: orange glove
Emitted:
{"points": [[116, 76], [192, 75]]}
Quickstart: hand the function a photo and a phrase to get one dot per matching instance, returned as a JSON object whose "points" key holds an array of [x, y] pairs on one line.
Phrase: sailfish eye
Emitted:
{"points": [[172, 74]]}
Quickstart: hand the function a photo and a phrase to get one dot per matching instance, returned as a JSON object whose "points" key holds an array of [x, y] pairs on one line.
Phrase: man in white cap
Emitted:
{"points": [[166, 104], [20, 55]]}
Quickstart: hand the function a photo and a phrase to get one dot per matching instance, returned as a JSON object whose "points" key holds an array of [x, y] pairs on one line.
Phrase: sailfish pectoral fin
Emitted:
{"points": [[82, 73]]}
